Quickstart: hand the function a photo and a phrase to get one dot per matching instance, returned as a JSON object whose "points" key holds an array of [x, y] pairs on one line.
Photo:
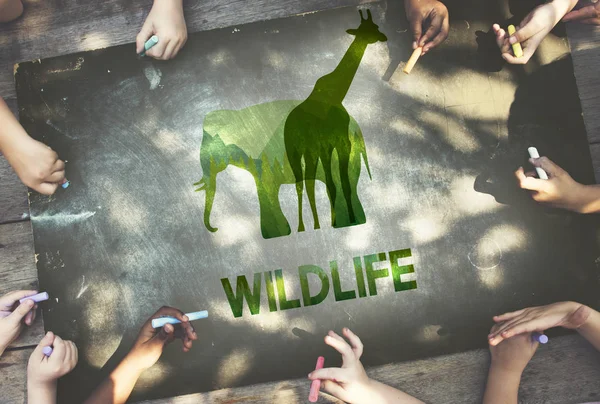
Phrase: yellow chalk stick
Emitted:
{"points": [[412, 60], [517, 50]]}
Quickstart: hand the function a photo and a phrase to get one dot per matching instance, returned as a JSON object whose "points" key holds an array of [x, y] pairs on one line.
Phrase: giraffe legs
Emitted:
{"points": [[296, 165], [331, 189], [344, 159]]}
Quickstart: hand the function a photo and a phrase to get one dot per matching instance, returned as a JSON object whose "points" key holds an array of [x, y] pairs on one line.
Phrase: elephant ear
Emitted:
{"points": [[352, 31]]}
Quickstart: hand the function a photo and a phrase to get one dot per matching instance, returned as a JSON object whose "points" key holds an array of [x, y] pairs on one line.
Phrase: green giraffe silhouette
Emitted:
{"points": [[319, 126], [256, 139]]}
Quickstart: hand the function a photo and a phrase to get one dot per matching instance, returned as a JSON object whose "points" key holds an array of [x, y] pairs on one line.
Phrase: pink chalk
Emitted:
{"points": [[40, 297], [316, 384]]}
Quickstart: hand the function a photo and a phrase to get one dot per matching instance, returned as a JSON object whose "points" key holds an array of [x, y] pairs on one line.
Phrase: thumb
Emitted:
{"points": [[547, 165], [337, 374], [48, 340], [529, 183], [21, 311], [524, 33], [141, 38], [165, 335]]}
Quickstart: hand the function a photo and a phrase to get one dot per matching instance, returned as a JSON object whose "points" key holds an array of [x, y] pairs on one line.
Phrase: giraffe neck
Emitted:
{"points": [[333, 87]]}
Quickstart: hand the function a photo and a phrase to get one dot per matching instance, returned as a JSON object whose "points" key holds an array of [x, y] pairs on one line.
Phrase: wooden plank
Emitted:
{"points": [[81, 26], [566, 370], [13, 198], [458, 378], [585, 48], [19, 272], [13, 373]]}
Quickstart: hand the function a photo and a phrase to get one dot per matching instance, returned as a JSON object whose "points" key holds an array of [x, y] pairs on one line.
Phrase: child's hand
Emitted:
{"points": [[585, 15], [13, 315], [150, 343], [559, 190], [430, 16], [166, 21], [512, 355], [530, 33], [563, 314], [36, 164], [349, 383], [44, 371]]}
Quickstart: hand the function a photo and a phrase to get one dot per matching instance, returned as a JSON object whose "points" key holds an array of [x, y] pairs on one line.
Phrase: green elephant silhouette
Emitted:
{"points": [[295, 142]]}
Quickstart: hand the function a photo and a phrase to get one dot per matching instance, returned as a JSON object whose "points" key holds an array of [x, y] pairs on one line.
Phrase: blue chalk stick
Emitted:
{"points": [[149, 44], [161, 321], [539, 337]]}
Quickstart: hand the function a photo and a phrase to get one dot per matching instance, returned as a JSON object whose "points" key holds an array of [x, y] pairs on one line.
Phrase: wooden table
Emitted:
{"points": [[565, 371]]}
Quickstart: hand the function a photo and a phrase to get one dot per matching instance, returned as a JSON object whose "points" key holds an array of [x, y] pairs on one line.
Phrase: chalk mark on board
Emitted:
{"points": [[487, 249], [83, 288]]}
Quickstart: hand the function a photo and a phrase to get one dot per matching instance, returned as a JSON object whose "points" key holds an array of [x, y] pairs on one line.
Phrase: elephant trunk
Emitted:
{"points": [[211, 188]]}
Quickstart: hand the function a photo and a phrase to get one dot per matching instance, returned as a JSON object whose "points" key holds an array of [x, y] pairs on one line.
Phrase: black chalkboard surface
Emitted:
{"points": [[187, 177]]}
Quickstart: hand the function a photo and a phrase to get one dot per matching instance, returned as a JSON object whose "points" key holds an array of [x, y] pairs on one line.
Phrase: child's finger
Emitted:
{"points": [[341, 346], [336, 390], [520, 328], [59, 349], [333, 334], [30, 317], [46, 188], [435, 26], [170, 50], [357, 345], [508, 316], [514, 60], [439, 38], [581, 14], [141, 38], [8, 300], [20, 312], [547, 165], [335, 374], [158, 50], [59, 165], [524, 33], [506, 326], [56, 176]]}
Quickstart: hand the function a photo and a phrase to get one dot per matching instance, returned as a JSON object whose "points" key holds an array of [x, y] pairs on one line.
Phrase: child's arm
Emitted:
{"points": [[166, 21], [589, 14], [532, 30], [43, 371], [563, 314], [559, 190], [146, 350], [13, 315], [509, 359], [36, 164], [350, 383]]}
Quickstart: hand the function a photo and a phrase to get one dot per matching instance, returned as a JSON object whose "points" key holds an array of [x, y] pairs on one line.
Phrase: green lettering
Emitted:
{"points": [[373, 274], [398, 270], [243, 291], [303, 272], [284, 304], [270, 291], [337, 285], [360, 278]]}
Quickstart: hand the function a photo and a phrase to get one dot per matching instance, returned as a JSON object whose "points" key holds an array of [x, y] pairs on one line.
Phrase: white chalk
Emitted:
{"points": [[533, 153], [161, 321]]}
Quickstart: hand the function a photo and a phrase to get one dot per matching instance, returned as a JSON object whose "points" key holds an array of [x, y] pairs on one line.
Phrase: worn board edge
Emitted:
{"points": [[20, 272]]}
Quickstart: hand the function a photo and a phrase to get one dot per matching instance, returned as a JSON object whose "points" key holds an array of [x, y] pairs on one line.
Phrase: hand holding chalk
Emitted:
{"points": [[50, 360], [149, 44], [166, 23], [350, 382], [412, 60], [533, 153], [14, 314], [151, 341]]}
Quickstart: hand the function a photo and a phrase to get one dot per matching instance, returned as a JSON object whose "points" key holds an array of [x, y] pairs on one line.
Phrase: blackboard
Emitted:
{"points": [[438, 197]]}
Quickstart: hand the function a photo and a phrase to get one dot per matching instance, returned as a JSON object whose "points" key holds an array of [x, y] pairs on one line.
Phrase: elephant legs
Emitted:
{"points": [[272, 220]]}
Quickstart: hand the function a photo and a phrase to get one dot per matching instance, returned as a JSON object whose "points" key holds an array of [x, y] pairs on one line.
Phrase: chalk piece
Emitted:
{"points": [[516, 47], [40, 297], [539, 337], [149, 44], [533, 153], [47, 350], [65, 184], [160, 322], [316, 384], [412, 60]]}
